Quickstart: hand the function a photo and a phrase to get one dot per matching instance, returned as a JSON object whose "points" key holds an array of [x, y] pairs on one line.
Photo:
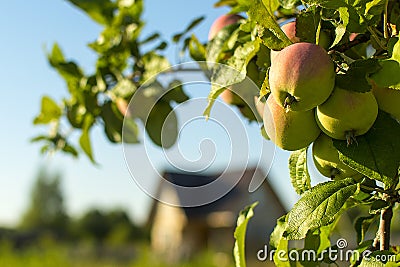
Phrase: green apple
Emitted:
{"points": [[242, 94], [347, 114], [260, 106], [289, 130], [388, 100], [301, 76], [326, 159]]}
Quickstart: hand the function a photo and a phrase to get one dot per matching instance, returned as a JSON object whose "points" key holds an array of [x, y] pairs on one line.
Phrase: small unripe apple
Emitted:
{"points": [[222, 22], [122, 106], [242, 94], [301, 77], [388, 100], [260, 106], [289, 130], [326, 159], [347, 114]]}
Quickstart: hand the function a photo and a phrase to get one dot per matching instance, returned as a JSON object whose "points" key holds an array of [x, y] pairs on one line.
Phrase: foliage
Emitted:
{"points": [[46, 210], [123, 65], [113, 227]]}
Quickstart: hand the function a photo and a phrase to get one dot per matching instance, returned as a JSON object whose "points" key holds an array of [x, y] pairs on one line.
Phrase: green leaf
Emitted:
{"points": [[161, 46], [378, 205], [67, 69], [197, 50], [289, 4], [70, 150], [101, 11], [130, 132], [113, 121], [307, 23], [161, 125], [299, 175], [154, 64], [176, 38], [278, 243], [356, 77], [318, 206], [223, 76], [315, 243], [76, 114], [240, 235], [388, 75], [340, 29], [273, 5], [40, 138], [84, 140], [268, 29], [150, 38], [49, 111], [264, 133], [125, 88], [175, 93], [376, 154], [362, 225], [225, 3], [218, 44]]}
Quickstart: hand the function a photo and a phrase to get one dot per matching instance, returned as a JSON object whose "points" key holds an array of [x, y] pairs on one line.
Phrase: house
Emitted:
{"points": [[179, 232]]}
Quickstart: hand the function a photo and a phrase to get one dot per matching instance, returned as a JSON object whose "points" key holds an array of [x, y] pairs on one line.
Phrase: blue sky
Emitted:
{"points": [[27, 29]]}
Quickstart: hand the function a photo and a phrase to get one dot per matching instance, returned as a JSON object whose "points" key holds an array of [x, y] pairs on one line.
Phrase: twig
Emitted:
{"points": [[385, 21], [384, 228], [362, 38]]}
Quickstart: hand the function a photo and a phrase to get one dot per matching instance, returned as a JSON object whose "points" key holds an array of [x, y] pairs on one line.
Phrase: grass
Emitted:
{"points": [[52, 254]]}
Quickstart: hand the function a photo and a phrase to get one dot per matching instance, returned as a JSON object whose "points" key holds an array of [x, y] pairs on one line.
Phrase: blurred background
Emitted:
{"points": [[59, 211]]}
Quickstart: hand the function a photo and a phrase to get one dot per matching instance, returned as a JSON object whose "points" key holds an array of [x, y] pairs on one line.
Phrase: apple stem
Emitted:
{"points": [[334, 172], [288, 101], [350, 137]]}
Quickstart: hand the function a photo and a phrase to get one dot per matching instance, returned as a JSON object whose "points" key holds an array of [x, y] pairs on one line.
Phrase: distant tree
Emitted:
{"points": [[93, 225], [114, 227], [46, 210]]}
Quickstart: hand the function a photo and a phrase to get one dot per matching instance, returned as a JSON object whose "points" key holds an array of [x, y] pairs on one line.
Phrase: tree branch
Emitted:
{"points": [[361, 38], [384, 228]]}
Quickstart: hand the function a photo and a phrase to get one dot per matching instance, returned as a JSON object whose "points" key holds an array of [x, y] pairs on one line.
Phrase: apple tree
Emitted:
{"points": [[328, 77]]}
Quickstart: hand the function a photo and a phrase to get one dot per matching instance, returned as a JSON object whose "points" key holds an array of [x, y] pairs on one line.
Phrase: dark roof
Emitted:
{"points": [[234, 200], [194, 180]]}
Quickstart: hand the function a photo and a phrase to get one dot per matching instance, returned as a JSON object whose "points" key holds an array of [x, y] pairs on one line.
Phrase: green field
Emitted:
{"points": [[50, 255]]}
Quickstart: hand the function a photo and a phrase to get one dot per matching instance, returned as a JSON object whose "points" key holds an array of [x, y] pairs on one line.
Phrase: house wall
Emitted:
{"points": [[167, 229]]}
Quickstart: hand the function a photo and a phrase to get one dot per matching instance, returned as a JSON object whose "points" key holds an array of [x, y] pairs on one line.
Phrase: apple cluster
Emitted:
{"points": [[306, 107]]}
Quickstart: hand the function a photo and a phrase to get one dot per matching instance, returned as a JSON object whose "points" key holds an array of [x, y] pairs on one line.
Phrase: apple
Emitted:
{"points": [[290, 30], [388, 99], [301, 77], [289, 130], [122, 106], [326, 159], [347, 114], [260, 106], [222, 22], [242, 94]]}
